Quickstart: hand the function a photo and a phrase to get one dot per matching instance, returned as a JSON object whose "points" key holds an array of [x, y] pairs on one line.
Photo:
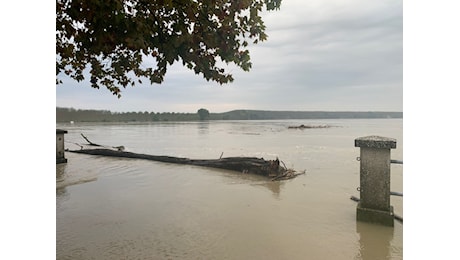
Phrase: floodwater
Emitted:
{"points": [[120, 208]]}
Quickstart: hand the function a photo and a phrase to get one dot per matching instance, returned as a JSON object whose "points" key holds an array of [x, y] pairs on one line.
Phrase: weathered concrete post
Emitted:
{"points": [[375, 162], [60, 158]]}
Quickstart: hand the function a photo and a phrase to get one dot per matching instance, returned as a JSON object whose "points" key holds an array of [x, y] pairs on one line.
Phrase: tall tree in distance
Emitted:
{"points": [[203, 114], [114, 38]]}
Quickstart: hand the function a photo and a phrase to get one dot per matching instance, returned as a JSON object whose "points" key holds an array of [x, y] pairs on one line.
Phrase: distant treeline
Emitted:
{"points": [[83, 115]]}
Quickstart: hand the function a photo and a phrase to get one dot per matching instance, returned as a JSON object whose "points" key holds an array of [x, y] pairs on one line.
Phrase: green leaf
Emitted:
{"points": [[115, 37]]}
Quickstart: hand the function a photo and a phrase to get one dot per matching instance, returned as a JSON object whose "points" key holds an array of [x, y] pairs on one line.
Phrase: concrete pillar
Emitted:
{"points": [[60, 158], [375, 164]]}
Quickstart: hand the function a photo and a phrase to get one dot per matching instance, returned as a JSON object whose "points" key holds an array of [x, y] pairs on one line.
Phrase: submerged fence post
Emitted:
{"points": [[60, 158], [375, 161]]}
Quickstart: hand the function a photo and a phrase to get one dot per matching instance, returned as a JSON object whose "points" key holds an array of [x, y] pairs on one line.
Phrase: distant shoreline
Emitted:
{"points": [[90, 115]]}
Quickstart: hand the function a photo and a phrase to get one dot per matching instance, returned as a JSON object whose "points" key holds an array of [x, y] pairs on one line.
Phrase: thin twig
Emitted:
{"points": [[283, 164], [91, 143]]}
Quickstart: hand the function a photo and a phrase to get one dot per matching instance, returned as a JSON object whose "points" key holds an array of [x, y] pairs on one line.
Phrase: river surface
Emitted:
{"points": [[120, 208]]}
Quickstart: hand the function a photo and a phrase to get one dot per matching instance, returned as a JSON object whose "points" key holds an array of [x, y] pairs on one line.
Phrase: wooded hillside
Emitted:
{"points": [[82, 115]]}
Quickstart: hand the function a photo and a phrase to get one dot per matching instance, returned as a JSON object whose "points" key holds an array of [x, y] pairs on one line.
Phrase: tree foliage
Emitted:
{"points": [[203, 113], [115, 39]]}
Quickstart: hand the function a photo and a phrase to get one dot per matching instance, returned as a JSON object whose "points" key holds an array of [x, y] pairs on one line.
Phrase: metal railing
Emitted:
{"points": [[393, 193], [396, 161]]}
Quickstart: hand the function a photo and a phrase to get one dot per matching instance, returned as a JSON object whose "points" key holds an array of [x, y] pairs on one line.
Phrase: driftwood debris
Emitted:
{"points": [[245, 165], [308, 126]]}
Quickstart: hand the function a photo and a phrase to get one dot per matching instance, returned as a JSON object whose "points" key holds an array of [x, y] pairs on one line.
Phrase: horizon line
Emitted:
{"points": [[322, 111]]}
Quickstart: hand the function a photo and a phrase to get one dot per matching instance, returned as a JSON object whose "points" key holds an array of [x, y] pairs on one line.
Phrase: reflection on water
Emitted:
{"points": [[273, 186], [375, 241], [203, 127], [119, 208], [66, 175]]}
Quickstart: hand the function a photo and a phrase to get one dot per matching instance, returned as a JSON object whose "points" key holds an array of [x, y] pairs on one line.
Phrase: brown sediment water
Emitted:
{"points": [[119, 208]]}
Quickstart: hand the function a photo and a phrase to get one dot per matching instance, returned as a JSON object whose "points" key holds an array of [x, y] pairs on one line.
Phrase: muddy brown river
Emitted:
{"points": [[120, 208]]}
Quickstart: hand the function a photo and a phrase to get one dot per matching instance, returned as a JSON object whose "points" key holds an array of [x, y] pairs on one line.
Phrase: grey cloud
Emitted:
{"points": [[319, 55]]}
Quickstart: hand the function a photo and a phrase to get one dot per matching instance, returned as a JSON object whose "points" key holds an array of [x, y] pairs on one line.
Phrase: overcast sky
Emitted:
{"points": [[328, 55]]}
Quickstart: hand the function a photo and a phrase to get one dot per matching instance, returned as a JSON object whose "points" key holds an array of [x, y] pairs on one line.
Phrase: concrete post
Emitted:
{"points": [[60, 158], [375, 162]]}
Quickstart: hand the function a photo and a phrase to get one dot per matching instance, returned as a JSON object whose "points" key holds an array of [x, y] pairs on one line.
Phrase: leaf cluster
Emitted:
{"points": [[115, 39]]}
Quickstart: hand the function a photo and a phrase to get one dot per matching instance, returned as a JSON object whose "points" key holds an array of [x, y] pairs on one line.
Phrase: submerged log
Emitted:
{"points": [[259, 166], [253, 165]]}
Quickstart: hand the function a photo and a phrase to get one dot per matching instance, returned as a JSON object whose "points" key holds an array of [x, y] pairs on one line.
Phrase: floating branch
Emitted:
{"points": [[308, 126], [90, 143], [119, 148]]}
